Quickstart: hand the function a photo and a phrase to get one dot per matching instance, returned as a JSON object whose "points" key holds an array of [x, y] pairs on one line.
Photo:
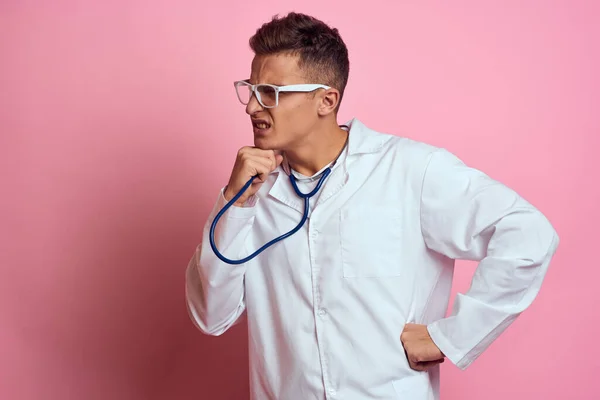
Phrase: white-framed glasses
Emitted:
{"points": [[267, 94]]}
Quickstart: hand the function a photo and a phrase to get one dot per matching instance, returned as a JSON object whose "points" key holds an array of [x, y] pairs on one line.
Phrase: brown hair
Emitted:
{"points": [[323, 55]]}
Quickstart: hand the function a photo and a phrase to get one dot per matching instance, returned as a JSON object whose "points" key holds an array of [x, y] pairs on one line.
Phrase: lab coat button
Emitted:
{"points": [[332, 392], [322, 312]]}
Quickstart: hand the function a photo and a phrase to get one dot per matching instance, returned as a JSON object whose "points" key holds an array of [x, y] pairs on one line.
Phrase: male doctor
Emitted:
{"points": [[352, 306]]}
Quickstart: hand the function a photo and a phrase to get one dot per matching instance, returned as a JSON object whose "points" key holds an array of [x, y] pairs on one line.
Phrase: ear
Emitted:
{"points": [[329, 101]]}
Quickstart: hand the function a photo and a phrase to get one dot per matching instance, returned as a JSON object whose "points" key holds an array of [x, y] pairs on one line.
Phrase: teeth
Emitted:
{"points": [[261, 126]]}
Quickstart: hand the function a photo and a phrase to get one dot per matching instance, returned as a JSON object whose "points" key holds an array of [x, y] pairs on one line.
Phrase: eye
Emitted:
{"points": [[268, 90]]}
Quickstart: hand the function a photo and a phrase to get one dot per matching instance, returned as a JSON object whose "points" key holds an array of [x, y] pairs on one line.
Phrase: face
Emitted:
{"points": [[297, 114]]}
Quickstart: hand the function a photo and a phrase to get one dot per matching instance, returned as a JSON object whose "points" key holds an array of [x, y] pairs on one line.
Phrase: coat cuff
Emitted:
{"points": [[247, 211]]}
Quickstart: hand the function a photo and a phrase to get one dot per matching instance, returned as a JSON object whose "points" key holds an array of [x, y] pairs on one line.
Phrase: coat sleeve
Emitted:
{"points": [[214, 289], [467, 215]]}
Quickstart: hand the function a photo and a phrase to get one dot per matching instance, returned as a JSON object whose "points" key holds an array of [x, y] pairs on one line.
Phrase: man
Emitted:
{"points": [[352, 305]]}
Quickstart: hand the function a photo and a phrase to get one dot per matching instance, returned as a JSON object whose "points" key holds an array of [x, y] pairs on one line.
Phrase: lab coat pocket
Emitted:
{"points": [[415, 387], [371, 242]]}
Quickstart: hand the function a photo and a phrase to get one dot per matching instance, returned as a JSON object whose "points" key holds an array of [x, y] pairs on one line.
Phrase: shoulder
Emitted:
{"points": [[403, 149], [414, 159]]}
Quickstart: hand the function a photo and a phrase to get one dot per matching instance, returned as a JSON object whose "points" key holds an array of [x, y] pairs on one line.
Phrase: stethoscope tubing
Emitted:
{"points": [[305, 196]]}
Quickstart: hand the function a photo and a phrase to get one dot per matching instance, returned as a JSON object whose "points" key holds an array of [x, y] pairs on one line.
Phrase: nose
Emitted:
{"points": [[253, 105]]}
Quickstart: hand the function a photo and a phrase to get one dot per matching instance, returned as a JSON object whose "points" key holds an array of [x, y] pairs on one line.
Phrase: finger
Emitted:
{"points": [[269, 163], [420, 356], [404, 336], [245, 157], [275, 161], [415, 365], [424, 366], [278, 160], [258, 169], [427, 354], [252, 153], [255, 151]]}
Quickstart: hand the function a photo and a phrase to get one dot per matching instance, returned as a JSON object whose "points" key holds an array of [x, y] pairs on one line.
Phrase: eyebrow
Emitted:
{"points": [[271, 83]]}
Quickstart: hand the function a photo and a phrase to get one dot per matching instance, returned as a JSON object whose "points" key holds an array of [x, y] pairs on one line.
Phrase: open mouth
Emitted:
{"points": [[260, 124]]}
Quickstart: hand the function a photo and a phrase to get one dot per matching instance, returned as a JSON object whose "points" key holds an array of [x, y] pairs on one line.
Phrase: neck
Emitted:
{"points": [[319, 148]]}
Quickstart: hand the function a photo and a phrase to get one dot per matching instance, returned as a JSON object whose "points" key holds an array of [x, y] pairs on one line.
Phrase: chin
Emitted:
{"points": [[265, 144]]}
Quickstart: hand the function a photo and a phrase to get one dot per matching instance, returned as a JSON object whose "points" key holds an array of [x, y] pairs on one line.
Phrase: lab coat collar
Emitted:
{"points": [[361, 140]]}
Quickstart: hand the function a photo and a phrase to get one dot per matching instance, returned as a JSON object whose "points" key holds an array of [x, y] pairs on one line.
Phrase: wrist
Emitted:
{"points": [[227, 195]]}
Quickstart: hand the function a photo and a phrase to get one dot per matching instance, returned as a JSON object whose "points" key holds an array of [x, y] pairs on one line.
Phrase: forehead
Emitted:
{"points": [[279, 69]]}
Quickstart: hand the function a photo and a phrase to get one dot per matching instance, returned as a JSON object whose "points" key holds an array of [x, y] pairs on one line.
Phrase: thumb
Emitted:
{"points": [[278, 160]]}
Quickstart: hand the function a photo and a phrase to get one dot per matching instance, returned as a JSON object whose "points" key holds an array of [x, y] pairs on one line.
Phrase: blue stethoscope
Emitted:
{"points": [[305, 196]]}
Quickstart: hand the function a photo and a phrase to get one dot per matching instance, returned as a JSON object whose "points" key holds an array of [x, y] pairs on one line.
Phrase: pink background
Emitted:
{"points": [[119, 123]]}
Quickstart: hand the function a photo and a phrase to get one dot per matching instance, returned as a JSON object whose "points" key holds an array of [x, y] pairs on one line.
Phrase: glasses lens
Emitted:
{"points": [[243, 92], [268, 95]]}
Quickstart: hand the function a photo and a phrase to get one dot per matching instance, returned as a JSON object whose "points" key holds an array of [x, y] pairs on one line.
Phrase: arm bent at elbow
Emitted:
{"points": [[214, 289]]}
